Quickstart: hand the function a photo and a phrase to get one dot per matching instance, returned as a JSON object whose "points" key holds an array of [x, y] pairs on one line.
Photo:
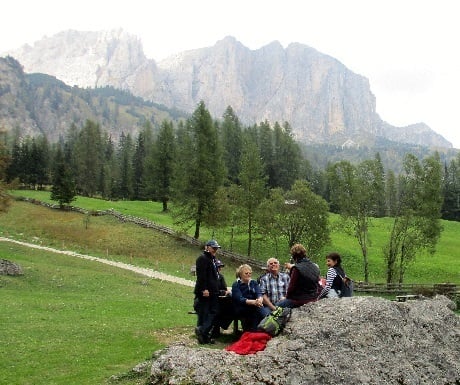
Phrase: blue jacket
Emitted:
{"points": [[241, 292]]}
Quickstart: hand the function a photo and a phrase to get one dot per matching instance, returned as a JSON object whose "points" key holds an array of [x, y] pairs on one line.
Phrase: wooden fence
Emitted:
{"points": [[448, 289]]}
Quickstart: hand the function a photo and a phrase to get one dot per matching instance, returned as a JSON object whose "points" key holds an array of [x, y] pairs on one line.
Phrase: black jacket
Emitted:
{"points": [[206, 275], [304, 286]]}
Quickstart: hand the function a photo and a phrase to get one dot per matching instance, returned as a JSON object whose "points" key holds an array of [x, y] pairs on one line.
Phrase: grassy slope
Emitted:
{"points": [[79, 322], [70, 321], [443, 266]]}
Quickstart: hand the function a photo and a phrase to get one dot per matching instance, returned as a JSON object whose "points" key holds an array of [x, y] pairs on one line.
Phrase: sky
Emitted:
{"points": [[408, 49]]}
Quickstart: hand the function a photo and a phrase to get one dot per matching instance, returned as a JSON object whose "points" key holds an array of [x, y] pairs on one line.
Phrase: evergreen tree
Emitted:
{"points": [[252, 188], [268, 218], [451, 190], [109, 171], [231, 133], [13, 169], [43, 161], [164, 158], [149, 142], [265, 137], [31, 162], [318, 181], [25, 162], [142, 153], [185, 152], [201, 170], [286, 157], [63, 190], [4, 161], [139, 159], [125, 166], [87, 158]]}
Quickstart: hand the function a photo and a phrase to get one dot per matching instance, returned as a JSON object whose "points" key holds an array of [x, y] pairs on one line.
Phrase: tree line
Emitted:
{"points": [[252, 180]]}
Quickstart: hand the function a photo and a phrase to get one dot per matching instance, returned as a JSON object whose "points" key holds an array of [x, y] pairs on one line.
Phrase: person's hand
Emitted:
{"points": [[206, 293]]}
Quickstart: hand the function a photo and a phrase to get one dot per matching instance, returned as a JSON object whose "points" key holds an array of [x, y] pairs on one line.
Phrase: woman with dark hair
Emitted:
{"points": [[334, 277], [304, 279]]}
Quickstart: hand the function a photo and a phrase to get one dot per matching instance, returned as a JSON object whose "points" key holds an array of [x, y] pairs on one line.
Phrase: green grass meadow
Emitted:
{"points": [[73, 321], [443, 266]]}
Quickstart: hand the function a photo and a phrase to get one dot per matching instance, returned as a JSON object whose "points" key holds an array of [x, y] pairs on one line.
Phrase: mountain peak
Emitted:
{"points": [[321, 99]]}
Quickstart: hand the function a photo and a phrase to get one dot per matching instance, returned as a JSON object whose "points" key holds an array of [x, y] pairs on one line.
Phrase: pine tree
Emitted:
{"points": [[87, 158], [164, 158], [125, 166], [231, 133], [286, 157], [4, 161], [63, 190], [252, 188], [201, 170], [451, 190]]}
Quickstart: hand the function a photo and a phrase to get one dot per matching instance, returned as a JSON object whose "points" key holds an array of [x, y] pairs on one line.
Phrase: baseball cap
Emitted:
{"points": [[219, 263], [213, 243]]}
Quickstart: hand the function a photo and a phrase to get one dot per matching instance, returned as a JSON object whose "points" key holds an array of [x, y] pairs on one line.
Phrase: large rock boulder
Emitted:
{"points": [[359, 340]]}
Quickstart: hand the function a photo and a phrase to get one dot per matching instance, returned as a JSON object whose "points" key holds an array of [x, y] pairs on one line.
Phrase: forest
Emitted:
{"points": [[256, 179]]}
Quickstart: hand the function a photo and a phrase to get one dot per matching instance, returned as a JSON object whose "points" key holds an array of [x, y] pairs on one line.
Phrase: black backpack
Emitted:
{"points": [[346, 286]]}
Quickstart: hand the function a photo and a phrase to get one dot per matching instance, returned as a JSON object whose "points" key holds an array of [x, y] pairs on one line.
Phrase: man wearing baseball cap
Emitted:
{"points": [[206, 291]]}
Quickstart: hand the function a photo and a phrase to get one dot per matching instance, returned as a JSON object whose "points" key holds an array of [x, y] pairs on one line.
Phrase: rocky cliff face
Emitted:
{"points": [[322, 100], [315, 93], [85, 59]]}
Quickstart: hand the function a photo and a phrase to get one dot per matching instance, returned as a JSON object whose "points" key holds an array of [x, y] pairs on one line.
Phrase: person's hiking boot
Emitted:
{"points": [[200, 337], [215, 333]]}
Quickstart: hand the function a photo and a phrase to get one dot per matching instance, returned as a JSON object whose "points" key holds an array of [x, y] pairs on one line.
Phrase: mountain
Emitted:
{"points": [[322, 100], [34, 104]]}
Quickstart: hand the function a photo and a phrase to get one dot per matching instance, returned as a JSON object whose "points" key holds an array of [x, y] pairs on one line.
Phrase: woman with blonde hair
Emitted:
{"points": [[247, 299]]}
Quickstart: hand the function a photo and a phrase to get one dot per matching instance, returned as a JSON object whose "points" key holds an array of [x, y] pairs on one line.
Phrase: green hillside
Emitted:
{"points": [[74, 321], [441, 267]]}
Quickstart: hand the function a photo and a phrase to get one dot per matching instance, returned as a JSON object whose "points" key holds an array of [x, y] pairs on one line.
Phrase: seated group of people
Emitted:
{"points": [[250, 300]]}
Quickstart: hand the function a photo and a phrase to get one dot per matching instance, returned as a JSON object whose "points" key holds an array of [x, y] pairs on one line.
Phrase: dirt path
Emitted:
{"points": [[140, 270]]}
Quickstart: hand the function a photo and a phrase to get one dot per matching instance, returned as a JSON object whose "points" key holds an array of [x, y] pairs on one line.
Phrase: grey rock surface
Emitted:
{"points": [[359, 340], [9, 268]]}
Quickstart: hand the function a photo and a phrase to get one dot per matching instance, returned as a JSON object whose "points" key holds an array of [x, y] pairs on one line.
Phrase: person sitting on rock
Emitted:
{"points": [[273, 284], [247, 299], [304, 279], [334, 275], [226, 313]]}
